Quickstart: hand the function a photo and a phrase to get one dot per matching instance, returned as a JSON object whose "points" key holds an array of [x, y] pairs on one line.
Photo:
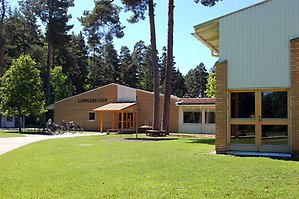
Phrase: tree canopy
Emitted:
{"points": [[211, 86], [196, 80], [209, 3], [21, 89], [88, 59], [59, 83]]}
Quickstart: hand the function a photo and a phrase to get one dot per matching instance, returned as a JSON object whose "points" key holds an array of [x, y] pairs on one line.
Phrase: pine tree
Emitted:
{"points": [[138, 8], [141, 56], [209, 3], [110, 64], [101, 25], [73, 57], [146, 70], [78, 62], [128, 69], [178, 85], [196, 80], [2, 18], [169, 66], [54, 14], [22, 33]]}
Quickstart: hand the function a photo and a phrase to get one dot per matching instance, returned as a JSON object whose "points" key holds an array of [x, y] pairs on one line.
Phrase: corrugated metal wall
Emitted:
{"points": [[256, 44]]}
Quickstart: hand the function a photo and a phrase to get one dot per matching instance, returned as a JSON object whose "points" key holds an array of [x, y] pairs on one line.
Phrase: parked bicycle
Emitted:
{"points": [[55, 129]]}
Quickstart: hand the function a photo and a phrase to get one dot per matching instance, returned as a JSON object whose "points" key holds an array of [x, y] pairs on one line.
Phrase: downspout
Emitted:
{"points": [[214, 54], [214, 51]]}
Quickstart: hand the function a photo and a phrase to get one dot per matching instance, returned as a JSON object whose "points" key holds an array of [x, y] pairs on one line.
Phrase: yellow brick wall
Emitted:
{"points": [[71, 110], [145, 115], [221, 107], [295, 95]]}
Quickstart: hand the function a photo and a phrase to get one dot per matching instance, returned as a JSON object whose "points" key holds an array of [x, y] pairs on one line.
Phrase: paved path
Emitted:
{"points": [[9, 144]]}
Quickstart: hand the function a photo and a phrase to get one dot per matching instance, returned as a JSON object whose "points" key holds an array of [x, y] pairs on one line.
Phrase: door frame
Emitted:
{"points": [[258, 122]]}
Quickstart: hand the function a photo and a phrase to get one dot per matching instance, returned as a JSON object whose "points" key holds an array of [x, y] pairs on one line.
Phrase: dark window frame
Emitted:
{"points": [[193, 117], [213, 117], [91, 116]]}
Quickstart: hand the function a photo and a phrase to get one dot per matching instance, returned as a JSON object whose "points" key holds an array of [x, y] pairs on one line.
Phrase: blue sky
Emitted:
{"points": [[188, 51]]}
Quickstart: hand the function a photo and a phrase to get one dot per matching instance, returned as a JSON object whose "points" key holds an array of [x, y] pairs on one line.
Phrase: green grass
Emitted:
{"points": [[97, 167], [6, 134], [15, 133]]}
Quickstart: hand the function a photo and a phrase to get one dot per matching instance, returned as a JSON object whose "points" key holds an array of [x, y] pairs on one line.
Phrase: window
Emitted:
{"points": [[275, 105], [210, 117], [275, 134], [243, 105], [242, 134], [9, 119], [192, 117], [91, 116]]}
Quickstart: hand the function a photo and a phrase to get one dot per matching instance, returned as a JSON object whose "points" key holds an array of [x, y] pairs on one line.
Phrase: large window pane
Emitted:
{"points": [[242, 134], [275, 134], [210, 117], [243, 105], [192, 117], [275, 105], [197, 117]]}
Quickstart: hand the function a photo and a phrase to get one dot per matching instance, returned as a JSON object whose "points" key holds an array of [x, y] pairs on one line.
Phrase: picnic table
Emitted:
{"points": [[156, 133]]}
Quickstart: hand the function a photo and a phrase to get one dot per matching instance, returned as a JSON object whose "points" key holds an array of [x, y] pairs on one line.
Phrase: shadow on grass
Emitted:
{"points": [[150, 139], [202, 141], [33, 132], [292, 159]]}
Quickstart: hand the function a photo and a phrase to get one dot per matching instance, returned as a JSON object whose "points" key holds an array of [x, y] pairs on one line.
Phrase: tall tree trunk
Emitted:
{"points": [[156, 81], [2, 38], [94, 68], [169, 66], [49, 66], [20, 124]]}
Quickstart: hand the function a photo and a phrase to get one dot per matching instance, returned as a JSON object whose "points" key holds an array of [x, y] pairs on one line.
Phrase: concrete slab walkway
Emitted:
{"points": [[9, 144]]}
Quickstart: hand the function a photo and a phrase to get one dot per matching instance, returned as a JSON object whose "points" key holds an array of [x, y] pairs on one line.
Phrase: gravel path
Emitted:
{"points": [[9, 144]]}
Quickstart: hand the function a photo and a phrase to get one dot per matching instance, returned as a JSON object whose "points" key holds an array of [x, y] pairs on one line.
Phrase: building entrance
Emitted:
{"points": [[127, 122], [259, 121]]}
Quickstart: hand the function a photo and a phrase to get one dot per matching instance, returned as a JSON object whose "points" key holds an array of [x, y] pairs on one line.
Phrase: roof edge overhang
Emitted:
{"points": [[208, 32], [199, 105], [115, 106]]}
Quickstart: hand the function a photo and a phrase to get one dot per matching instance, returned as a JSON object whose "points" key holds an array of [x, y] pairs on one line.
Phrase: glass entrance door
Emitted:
{"points": [[274, 121], [128, 120], [259, 121]]}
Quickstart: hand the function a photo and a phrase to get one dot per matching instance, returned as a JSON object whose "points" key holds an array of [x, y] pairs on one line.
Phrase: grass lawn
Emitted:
{"points": [[15, 133], [6, 134], [101, 167]]}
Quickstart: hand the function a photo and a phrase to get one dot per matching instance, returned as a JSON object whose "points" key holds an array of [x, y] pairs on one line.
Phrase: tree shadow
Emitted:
{"points": [[150, 139], [202, 141], [288, 159]]}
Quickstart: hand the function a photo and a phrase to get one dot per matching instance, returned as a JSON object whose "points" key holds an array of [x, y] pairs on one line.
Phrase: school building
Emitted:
{"points": [[125, 109], [257, 97]]}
